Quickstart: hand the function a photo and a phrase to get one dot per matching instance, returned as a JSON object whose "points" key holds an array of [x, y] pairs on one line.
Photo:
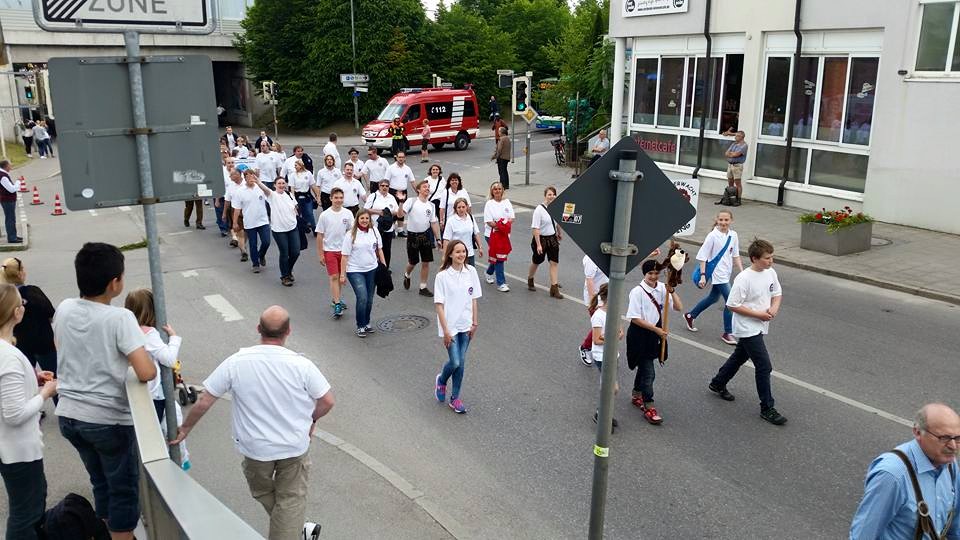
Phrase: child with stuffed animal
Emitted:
{"points": [[646, 336], [754, 300], [717, 257]]}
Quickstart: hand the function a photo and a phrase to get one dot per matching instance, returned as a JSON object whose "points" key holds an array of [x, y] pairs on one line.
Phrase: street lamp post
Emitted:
{"points": [[353, 45]]}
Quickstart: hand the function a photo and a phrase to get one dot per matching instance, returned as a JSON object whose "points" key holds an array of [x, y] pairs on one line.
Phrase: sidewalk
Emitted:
{"points": [[36, 169], [928, 261]]}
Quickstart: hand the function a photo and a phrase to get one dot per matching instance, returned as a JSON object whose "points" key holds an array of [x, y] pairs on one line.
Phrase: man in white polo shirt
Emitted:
{"points": [[278, 396], [374, 169], [400, 176], [250, 213]]}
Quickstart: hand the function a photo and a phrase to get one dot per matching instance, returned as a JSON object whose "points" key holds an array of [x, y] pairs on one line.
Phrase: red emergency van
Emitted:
{"points": [[453, 115]]}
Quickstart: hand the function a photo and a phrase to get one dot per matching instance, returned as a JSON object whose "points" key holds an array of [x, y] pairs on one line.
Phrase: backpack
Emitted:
{"points": [[729, 197], [73, 518]]}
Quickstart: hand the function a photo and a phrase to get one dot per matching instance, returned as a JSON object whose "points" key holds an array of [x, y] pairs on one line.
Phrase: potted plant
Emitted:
{"points": [[837, 232]]}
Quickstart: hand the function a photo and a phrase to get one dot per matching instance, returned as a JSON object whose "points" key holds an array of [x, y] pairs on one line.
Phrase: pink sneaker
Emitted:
{"points": [[728, 339], [689, 320], [440, 391], [457, 406]]}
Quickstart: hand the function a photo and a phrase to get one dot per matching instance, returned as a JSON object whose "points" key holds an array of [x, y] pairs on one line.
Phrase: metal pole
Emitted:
{"points": [[513, 135], [353, 44], [526, 173], [132, 41], [618, 250], [273, 101]]}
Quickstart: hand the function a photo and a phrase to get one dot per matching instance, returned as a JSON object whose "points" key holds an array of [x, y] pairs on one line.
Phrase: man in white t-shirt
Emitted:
{"points": [[755, 301], [374, 169], [250, 214], [267, 166], [238, 237], [354, 194], [399, 175], [332, 226], [278, 396], [330, 149]]}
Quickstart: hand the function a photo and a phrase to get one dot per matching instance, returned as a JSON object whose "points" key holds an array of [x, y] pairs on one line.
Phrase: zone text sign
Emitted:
{"points": [[144, 16]]}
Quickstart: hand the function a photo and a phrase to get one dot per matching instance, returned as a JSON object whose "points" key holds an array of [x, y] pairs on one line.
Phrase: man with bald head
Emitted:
{"points": [[923, 469], [278, 396]]}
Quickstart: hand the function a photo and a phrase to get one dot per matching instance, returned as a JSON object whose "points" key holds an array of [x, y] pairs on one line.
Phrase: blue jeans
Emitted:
{"points": [[258, 237], [456, 358], [218, 210], [26, 496], [109, 454], [10, 219], [288, 244], [363, 284], [305, 203], [749, 348], [496, 267], [716, 291], [42, 147]]}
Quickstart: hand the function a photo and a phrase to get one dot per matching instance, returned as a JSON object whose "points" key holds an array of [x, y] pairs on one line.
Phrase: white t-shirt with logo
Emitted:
{"points": [[399, 177], [326, 178], [463, 229], [252, 202], [436, 187], [754, 290], [379, 201], [598, 320], [330, 149], [456, 290], [450, 198], [542, 220], [712, 245], [301, 182], [591, 270], [494, 211], [334, 226], [267, 167], [231, 191], [641, 307], [353, 191], [274, 395], [362, 250], [419, 215], [283, 212], [375, 169]]}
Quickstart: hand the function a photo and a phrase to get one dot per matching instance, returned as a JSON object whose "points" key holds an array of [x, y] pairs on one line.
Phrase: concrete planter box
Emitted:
{"points": [[844, 241]]}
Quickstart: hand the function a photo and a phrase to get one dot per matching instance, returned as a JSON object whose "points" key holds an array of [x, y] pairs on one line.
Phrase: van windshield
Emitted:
{"points": [[390, 112]]}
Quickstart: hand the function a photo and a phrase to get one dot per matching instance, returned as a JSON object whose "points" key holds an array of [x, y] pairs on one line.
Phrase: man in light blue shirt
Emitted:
{"points": [[888, 510]]}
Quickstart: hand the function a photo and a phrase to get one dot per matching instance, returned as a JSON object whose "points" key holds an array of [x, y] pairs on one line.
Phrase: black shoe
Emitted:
{"points": [[234, 243], [16, 241], [223, 234], [201, 227], [771, 415], [186, 223], [406, 283], [614, 423], [721, 391], [244, 257], [426, 292]]}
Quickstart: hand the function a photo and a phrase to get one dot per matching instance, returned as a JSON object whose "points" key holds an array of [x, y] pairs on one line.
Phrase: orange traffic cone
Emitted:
{"points": [[23, 184], [36, 197], [57, 209]]}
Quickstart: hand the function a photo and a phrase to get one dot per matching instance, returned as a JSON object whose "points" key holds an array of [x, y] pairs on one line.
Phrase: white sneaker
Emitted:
{"points": [[490, 279], [311, 531], [504, 288]]}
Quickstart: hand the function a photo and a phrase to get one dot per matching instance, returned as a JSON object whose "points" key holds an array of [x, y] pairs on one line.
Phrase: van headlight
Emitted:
{"points": [[383, 133]]}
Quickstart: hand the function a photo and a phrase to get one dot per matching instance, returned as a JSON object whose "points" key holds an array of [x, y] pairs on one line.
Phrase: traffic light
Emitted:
{"points": [[269, 91], [28, 92], [521, 94]]}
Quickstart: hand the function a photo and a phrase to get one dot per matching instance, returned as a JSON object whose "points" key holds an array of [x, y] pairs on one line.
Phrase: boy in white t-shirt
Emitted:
{"points": [[754, 300], [332, 226]]}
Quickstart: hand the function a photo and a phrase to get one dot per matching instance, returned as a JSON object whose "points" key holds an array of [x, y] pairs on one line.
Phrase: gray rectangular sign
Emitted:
{"points": [[98, 153], [144, 16]]}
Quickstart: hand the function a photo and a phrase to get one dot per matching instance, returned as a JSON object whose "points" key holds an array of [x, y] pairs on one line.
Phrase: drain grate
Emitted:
{"points": [[402, 323]]}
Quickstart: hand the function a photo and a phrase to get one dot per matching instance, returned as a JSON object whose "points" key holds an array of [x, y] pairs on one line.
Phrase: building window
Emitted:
{"points": [[645, 91], [939, 47], [839, 170], [670, 95], [775, 96]]}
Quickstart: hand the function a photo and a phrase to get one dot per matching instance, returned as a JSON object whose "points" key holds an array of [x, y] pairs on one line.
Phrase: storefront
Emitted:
{"points": [[864, 111]]}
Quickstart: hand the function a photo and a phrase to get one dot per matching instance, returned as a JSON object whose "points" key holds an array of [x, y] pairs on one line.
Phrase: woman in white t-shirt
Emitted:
{"points": [[456, 289], [453, 190], [305, 190], [435, 179], [598, 324], [283, 225], [361, 251], [278, 154], [545, 244], [326, 177], [463, 227], [380, 203], [723, 245], [497, 208]]}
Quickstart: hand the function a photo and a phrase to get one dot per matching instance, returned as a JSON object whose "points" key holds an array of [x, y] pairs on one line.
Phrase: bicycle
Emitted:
{"points": [[558, 151]]}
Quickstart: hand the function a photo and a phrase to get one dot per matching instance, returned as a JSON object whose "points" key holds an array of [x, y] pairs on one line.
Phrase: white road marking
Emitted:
{"points": [[189, 273], [92, 212], [782, 376], [179, 233], [225, 308], [123, 208]]}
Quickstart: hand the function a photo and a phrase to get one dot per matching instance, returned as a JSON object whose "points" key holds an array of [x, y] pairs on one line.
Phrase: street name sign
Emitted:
{"points": [[585, 210], [144, 16], [95, 127], [354, 78]]}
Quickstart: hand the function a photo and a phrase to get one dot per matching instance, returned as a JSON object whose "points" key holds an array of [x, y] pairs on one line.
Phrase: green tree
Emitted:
{"points": [[533, 27], [485, 9]]}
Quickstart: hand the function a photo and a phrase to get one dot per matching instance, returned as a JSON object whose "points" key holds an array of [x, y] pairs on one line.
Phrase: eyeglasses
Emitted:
{"points": [[944, 439]]}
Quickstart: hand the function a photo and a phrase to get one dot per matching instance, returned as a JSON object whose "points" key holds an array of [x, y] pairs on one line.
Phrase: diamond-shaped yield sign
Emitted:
{"points": [[585, 210], [530, 115]]}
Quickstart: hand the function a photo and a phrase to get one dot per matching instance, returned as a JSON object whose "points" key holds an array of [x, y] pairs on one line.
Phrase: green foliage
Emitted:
{"points": [[584, 58], [533, 27]]}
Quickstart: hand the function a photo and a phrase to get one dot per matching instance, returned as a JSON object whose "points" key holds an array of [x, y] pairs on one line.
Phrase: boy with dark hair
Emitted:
{"points": [[754, 300], [96, 343]]}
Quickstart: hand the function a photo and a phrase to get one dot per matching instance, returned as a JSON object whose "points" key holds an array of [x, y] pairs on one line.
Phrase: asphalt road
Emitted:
{"points": [[519, 464]]}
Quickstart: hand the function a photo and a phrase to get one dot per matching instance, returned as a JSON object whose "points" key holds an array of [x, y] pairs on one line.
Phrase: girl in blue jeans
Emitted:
{"points": [[720, 250], [361, 251], [455, 292]]}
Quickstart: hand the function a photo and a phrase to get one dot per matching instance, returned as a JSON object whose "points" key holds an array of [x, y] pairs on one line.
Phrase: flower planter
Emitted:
{"points": [[846, 240]]}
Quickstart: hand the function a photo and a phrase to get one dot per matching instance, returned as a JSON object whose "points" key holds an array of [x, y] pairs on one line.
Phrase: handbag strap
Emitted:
{"points": [[716, 258], [652, 299], [924, 520], [551, 218]]}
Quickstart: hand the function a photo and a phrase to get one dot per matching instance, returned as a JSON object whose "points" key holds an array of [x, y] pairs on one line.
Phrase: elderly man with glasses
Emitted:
{"points": [[911, 491]]}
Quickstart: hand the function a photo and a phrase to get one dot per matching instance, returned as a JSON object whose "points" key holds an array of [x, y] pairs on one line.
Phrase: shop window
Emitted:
{"points": [[860, 94], [775, 96], [671, 91], [938, 30], [839, 170], [713, 100], [645, 91], [805, 98], [713, 152], [833, 90], [732, 84], [769, 162], [660, 147]]}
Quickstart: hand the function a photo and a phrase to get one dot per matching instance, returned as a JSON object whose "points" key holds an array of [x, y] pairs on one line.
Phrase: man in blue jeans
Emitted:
{"points": [[250, 203], [97, 342], [8, 200]]}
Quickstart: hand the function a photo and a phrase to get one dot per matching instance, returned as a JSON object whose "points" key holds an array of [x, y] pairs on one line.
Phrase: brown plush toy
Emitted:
{"points": [[674, 262]]}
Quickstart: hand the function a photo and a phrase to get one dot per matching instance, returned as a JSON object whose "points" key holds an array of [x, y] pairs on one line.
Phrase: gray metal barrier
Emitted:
{"points": [[173, 504]]}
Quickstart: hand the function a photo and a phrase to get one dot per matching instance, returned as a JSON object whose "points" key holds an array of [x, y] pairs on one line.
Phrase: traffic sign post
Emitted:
{"points": [[357, 81], [143, 16], [624, 182]]}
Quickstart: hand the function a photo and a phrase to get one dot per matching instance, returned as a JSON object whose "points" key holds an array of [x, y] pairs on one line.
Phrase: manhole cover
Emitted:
{"points": [[403, 323], [876, 241]]}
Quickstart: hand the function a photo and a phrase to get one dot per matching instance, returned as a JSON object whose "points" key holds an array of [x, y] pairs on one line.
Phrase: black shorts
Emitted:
{"points": [[419, 248], [325, 201], [551, 249], [424, 143]]}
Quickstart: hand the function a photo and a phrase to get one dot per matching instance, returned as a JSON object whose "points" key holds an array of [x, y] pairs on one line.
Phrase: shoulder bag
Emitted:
{"points": [[711, 264]]}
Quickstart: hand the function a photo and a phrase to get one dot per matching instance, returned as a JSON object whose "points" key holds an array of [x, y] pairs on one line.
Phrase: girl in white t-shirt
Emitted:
{"points": [[545, 244], [361, 251], [723, 246], [283, 225], [456, 289], [379, 203], [435, 178], [454, 190], [598, 324], [461, 226]]}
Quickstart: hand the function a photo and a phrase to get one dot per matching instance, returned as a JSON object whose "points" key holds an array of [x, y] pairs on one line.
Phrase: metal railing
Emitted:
{"points": [[585, 142], [173, 504]]}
